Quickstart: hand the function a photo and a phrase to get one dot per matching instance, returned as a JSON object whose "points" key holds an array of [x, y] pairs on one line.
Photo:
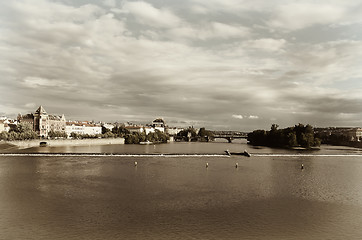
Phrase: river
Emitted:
{"points": [[268, 196]]}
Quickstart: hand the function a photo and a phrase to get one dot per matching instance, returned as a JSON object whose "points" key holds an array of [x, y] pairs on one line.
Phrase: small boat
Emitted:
{"points": [[43, 144], [146, 143], [245, 153]]}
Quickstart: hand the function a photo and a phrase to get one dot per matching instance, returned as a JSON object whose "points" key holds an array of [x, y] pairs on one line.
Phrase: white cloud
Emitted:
{"points": [[36, 82], [237, 116], [298, 15], [207, 31], [226, 31], [86, 57], [109, 3], [147, 14], [30, 105], [267, 44]]}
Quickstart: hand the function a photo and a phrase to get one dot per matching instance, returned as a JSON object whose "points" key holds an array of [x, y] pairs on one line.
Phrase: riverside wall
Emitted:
{"points": [[67, 142]]}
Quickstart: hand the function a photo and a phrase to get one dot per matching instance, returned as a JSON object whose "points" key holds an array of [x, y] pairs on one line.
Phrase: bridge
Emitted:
{"points": [[230, 135]]}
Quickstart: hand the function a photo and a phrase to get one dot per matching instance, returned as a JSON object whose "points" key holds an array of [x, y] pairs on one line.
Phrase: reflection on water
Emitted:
{"points": [[266, 197]]}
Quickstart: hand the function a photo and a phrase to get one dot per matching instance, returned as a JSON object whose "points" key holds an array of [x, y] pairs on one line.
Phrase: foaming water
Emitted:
{"points": [[307, 155], [108, 155]]}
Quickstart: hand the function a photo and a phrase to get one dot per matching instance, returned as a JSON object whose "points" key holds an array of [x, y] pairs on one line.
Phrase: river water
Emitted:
{"points": [[268, 196]]}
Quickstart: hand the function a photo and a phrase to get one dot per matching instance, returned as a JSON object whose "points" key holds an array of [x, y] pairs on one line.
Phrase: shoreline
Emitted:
{"points": [[22, 144]]}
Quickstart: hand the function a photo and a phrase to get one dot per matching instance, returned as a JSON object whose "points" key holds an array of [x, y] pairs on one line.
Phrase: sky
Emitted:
{"points": [[219, 64]]}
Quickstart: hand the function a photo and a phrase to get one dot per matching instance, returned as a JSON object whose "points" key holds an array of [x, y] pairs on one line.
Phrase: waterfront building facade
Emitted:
{"points": [[135, 129], [173, 130], [83, 128], [2, 125], [355, 134], [43, 123], [159, 124]]}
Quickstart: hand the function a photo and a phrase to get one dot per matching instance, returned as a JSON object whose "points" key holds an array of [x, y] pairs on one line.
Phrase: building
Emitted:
{"points": [[43, 122], [173, 130], [348, 133], [135, 129], [159, 124], [82, 128], [108, 126], [355, 134], [2, 125]]}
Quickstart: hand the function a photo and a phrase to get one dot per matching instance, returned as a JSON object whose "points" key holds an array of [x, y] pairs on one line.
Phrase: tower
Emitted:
{"points": [[41, 122]]}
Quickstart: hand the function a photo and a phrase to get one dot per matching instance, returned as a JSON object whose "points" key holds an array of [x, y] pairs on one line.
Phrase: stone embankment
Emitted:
{"points": [[67, 142]]}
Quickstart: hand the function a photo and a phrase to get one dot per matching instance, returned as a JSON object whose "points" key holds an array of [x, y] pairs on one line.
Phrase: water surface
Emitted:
{"points": [[267, 196]]}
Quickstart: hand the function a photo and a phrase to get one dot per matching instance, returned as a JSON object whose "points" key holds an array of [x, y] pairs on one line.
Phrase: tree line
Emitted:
{"points": [[190, 134], [298, 136], [22, 131], [154, 137]]}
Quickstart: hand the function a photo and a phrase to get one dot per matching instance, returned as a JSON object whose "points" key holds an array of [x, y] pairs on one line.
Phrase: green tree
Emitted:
{"points": [[4, 135], [299, 135], [292, 139], [22, 131], [74, 135], [57, 134]]}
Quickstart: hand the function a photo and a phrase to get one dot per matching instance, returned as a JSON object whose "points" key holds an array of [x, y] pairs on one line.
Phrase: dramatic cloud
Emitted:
{"points": [[220, 64]]}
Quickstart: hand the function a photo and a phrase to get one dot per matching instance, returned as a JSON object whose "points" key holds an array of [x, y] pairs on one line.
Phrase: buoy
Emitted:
{"points": [[302, 166], [207, 165], [236, 165], [135, 163]]}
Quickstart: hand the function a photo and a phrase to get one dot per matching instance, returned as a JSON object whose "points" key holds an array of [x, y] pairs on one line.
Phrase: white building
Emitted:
{"points": [[149, 130], [92, 129], [135, 129], [2, 125], [82, 128], [108, 126], [159, 124], [173, 130]]}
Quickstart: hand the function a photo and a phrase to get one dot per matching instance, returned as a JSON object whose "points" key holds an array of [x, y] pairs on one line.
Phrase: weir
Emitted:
{"points": [[106, 155]]}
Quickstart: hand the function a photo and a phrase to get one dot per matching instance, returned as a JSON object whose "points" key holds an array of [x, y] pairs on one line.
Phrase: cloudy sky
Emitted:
{"points": [[223, 64]]}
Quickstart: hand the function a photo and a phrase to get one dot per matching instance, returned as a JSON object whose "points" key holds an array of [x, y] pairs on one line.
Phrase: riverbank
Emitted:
{"points": [[65, 142]]}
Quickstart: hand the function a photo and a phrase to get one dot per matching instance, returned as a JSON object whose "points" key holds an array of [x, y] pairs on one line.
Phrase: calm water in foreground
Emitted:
{"points": [[106, 197]]}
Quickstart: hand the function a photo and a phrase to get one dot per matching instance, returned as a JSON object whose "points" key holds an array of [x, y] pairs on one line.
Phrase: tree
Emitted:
{"points": [[23, 127], [120, 131], [4, 135], [257, 137], [22, 131], [108, 134], [205, 135], [188, 133], [105, 130], [299, 135], [74, 135], [292, 139], [57, 134]]}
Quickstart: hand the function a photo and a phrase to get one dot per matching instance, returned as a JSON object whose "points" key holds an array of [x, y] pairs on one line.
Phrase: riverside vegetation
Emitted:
{"points": [[22, 131], [190, 134], [298, 136]]}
